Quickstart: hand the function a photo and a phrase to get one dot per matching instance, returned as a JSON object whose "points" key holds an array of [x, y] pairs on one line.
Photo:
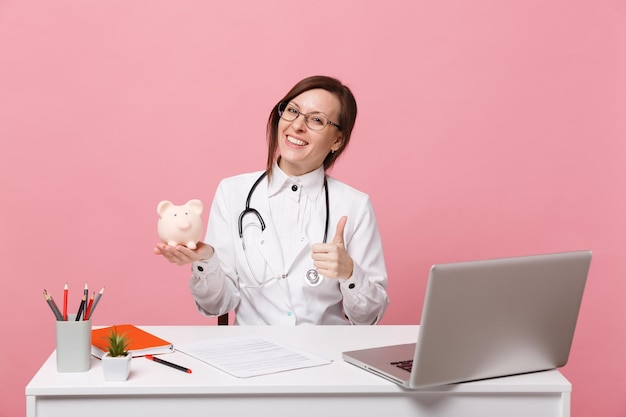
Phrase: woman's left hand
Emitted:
{"points": [[331, 259], [181, 255]]}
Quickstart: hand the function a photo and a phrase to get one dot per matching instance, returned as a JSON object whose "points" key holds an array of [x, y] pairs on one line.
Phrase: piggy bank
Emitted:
{"points": [[180, 225]]}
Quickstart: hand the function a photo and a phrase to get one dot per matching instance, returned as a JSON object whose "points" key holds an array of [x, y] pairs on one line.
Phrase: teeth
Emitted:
{"points": [[296, 141]]}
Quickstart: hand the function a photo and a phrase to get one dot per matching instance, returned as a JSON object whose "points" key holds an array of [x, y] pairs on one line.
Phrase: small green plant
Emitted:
{"points": [[117, 343]]}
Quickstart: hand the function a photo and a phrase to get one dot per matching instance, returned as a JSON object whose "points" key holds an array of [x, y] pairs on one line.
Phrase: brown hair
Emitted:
{"points": [[347, 116]]}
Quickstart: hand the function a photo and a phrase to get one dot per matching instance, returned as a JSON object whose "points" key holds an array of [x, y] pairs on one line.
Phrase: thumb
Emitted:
{"points": [[338, 239]]}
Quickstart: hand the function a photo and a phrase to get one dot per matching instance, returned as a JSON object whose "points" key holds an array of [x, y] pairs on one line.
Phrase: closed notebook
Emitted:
{"points": [[141, 342]]}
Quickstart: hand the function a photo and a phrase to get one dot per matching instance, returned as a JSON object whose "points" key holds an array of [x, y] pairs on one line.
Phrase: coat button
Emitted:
{"points": [[351, 286], [294, 188], [200, 268]]}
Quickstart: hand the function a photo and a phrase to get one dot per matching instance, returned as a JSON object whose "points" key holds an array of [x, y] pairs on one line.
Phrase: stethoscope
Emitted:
{"points": [[311, 278]]}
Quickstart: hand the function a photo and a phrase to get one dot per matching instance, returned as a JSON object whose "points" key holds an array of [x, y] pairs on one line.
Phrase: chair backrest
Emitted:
{"points": [[222, 320]]}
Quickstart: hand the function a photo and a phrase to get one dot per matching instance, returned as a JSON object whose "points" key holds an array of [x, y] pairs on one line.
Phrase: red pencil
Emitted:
{"points": [[95, 302], [65, 291], [88, 311]]}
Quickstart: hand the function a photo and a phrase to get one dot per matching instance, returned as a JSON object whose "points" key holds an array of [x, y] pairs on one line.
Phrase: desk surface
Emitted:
{"points": [[339, 378]]}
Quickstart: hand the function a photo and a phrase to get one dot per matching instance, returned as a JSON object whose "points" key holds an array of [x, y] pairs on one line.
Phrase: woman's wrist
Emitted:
{"points": [[206, 253]]}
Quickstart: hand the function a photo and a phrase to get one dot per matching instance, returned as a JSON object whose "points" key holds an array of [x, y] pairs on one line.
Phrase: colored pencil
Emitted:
{"points": [[65, 294], [95, 302], [52, 305], [89, 305], [83, 303]]}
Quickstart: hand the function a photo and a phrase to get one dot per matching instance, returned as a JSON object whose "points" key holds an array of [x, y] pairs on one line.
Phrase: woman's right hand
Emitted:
{"points": [[182, 255]]}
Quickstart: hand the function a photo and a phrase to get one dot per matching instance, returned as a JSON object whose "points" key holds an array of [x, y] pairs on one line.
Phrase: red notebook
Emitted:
{"points": [[140, 341]]}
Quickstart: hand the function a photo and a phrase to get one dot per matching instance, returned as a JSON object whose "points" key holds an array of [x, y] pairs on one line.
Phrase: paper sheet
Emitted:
{"points": [[248, 356]]}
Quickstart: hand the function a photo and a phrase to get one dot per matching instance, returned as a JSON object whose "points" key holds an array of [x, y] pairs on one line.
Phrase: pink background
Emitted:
{"points": [[485, 129]]}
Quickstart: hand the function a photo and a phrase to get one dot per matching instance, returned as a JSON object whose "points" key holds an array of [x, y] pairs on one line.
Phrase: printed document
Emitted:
{"points": [[247, 356]]}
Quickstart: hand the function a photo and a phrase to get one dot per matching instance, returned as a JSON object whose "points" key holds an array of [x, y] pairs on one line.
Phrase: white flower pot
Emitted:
{"points": [[116, 368]]}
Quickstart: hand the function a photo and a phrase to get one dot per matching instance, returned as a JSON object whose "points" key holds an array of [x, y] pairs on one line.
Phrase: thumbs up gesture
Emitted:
{"points": [[332, 259]]}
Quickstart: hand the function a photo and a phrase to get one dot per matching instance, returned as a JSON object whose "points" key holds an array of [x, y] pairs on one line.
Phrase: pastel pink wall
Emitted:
{"points": [[485, 129]]}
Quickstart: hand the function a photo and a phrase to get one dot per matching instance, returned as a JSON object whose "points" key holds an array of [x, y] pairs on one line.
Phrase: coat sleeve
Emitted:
{"points": [[365, 296], [213, 283]]}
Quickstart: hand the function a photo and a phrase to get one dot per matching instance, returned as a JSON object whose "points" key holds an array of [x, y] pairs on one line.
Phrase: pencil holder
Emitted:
{"points": [[73, 345]]}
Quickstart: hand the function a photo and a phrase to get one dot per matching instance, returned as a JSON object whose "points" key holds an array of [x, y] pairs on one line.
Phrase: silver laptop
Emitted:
{"points": [[485, 319]]}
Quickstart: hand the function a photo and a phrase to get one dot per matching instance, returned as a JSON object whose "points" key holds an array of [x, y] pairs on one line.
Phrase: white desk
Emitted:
{"points": [[339, 389]]}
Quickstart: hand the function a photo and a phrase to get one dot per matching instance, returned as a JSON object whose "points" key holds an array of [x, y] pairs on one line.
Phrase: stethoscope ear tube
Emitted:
{"points": [[312, 278], [249, 210]]}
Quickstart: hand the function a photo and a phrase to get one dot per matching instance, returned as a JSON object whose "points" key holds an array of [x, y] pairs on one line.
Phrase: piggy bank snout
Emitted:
{"points": [[180, 221], [183, 223]]}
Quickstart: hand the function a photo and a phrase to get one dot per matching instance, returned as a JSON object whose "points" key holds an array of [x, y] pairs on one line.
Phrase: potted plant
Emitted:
{"points": [[116, 360]]}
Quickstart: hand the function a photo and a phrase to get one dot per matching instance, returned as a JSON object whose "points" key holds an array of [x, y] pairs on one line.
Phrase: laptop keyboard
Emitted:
{"points": [[406, 365]]}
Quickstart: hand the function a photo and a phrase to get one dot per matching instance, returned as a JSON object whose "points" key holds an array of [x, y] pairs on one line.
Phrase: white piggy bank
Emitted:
{"points": [[180, 225]]}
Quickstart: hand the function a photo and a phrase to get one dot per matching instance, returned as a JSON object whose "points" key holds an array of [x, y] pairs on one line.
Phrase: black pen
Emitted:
{"points": [[170, 364]]}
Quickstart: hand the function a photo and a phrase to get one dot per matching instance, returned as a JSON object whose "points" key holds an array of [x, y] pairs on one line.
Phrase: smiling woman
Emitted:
{"points": [[283, 273], [320, 96], [304, 142]]}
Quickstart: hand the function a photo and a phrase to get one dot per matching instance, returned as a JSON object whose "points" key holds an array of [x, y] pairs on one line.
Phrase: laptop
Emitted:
{"points": [[486, 319]]}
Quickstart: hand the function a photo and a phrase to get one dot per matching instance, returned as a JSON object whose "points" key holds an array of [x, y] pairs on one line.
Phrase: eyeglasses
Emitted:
{"points": [[314, 121]]}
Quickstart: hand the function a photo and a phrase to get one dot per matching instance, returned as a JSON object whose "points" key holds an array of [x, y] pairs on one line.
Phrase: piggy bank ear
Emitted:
{"points": [[195, 205], [163, 206]]}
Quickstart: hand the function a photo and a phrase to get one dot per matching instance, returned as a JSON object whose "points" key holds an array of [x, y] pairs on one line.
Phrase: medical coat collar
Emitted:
{"points": [[310, 184]]}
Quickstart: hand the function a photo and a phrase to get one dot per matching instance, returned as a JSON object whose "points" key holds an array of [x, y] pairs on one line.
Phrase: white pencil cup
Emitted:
{"points": [[73, 344]]}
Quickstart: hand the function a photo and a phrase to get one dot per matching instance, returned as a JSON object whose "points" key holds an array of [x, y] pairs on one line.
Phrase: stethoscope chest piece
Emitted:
{"points": [[312, 278]]}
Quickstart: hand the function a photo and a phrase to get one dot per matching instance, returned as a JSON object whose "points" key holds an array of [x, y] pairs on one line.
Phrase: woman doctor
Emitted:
{"points": [[292, 245]]}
